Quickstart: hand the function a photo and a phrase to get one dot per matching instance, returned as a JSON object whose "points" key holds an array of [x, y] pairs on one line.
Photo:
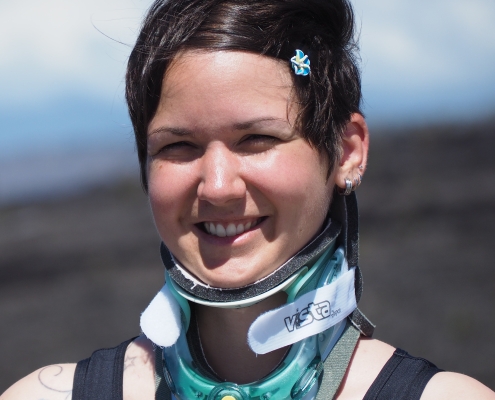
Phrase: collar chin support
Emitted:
{"points": [[297, 376], [233, 303]]}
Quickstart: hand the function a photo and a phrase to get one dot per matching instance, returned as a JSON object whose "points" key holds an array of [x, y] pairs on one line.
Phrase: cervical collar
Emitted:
{"points": [[164, 309], [313, 331], [162, 321], [309, 273]]}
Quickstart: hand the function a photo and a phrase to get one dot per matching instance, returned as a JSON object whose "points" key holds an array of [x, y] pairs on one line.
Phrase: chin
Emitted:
{"points": [[231, 278], [229, 281]]}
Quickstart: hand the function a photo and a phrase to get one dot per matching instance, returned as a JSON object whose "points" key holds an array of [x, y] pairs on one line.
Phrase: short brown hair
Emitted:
{"points": [[322, 29]]}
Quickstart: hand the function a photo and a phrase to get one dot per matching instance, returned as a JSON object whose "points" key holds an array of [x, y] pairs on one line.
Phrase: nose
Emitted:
{"points": [[221, 180]]}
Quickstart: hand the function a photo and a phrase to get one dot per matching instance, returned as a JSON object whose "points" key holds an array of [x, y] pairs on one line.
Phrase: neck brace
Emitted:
{"points": [[161, 321], [166, 319], [314, 330]]}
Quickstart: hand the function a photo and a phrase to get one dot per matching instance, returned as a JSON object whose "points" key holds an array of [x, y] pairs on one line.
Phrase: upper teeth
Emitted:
{"points": [[231, 229]]}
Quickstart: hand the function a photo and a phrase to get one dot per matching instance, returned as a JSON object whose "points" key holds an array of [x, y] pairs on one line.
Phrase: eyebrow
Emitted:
{"points": [[172, 130], [239, 126], [242, 126]]}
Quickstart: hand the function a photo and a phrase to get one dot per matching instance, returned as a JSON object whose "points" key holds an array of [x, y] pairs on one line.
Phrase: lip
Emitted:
{"points": [[217, 240]]}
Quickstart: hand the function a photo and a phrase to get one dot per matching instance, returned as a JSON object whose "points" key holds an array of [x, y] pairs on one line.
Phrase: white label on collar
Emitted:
{"points": [[310, 314]]}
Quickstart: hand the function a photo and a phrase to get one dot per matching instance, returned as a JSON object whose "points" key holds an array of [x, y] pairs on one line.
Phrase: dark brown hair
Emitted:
{"points": [[322, 29]]}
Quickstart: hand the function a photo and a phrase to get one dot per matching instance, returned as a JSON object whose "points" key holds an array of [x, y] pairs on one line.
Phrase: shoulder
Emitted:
{"points": [[50, 382], [139, 370], [371, 356], [453, 386], [366, 363], [56, 381]]}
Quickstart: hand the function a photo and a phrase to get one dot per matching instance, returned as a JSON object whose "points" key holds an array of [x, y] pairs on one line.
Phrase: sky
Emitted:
{"points": [[427, 60], [62, 66]]}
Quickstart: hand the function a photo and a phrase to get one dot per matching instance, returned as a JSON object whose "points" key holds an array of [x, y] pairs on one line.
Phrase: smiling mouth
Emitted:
{"points": [[230, 228]]}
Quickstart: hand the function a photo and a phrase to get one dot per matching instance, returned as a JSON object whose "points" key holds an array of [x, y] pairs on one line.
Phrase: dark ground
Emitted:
{"points": [[76, 273]]}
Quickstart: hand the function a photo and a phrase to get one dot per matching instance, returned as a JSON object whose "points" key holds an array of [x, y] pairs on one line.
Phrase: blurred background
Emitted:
{"points": [[79, 253]]}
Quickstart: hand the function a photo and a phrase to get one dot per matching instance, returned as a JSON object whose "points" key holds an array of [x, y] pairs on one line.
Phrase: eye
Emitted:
{"points": [[261, 138], [258, 143], [176, 146], [180, 151]]}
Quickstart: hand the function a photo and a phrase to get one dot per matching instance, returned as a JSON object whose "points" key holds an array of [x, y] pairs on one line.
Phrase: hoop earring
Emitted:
{"points": [[348, 188], [357, 182]]}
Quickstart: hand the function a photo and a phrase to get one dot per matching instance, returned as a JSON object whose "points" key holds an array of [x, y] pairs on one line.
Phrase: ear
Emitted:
{"points": [[355, 143]]}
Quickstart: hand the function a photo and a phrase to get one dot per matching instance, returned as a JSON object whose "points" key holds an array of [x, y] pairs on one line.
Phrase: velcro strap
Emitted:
{"points": [[359, 320], [312, 313], [337, 362]]}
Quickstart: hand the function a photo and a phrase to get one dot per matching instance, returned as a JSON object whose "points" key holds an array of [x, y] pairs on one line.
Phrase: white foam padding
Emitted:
{"points": [[161, 321]]}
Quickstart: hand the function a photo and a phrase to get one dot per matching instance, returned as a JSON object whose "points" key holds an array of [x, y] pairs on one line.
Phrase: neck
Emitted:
{"points": [[223, 335]]}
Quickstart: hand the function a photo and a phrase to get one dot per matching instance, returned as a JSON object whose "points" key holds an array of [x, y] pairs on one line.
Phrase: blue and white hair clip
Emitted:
{"points": [[300, 63]]}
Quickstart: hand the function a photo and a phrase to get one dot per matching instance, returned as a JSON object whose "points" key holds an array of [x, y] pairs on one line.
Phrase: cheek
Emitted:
{"points": [[297, 183], [158, 183], [167, 191]]}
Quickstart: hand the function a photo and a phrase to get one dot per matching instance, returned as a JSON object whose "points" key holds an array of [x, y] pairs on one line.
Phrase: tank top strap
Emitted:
{"points": [[403, 377], [101, 376]]}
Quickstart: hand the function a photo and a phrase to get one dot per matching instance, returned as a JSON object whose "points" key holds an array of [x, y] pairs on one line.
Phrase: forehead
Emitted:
{"points": [[224, 87]]}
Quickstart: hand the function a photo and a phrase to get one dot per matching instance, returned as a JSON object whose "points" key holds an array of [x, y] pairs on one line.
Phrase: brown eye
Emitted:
{"points": [[261, 139], [175, 146], [258, 143], [254, 144], [178, 151]]}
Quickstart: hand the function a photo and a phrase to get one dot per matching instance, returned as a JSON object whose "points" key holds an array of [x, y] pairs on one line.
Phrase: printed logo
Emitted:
{"points": [[308, 315]]}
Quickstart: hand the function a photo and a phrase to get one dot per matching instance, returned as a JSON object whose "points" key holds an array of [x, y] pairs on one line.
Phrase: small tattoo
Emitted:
{"points": [[129, 362], [48, 373]]}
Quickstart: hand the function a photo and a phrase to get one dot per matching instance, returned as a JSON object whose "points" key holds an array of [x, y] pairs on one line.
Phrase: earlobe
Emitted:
{"points": [[355, 143]]}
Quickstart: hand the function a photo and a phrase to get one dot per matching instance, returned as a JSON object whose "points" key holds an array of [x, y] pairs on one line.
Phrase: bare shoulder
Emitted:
{"points": [[139, 370], [371, 356], [53, 382], [452, 386], [366, 363]]}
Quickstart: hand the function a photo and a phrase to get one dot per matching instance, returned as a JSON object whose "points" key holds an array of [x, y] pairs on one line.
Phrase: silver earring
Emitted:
{"points": [[357, 182], [348, 188]]}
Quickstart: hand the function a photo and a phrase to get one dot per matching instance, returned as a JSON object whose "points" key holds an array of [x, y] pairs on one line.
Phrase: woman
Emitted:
{"points": [[251, 143]]}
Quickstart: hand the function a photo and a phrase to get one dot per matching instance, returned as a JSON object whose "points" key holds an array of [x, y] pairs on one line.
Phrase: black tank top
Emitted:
{"points": [[101, 376]]}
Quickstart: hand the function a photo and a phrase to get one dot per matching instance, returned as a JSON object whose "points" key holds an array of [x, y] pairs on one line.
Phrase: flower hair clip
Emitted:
{"points": [[300, 63]]}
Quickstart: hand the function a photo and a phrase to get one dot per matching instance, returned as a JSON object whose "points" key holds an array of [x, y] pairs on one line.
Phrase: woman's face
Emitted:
{"points": [[235, 191]]}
